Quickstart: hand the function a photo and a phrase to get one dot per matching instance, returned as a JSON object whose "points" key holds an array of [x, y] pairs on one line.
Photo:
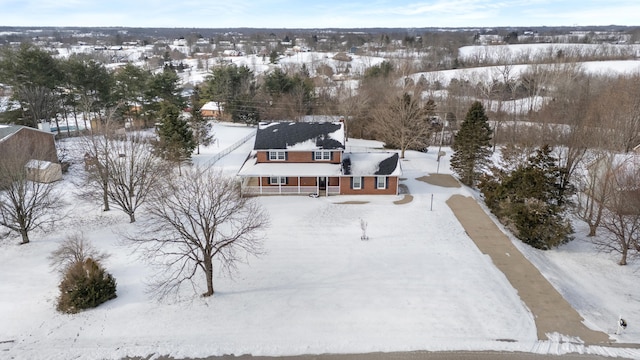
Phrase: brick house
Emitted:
{"points": [[211, 110], [310, 158]]}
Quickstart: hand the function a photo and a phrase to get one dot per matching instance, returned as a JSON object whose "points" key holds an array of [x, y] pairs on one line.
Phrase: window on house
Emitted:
{"points": [[277, 180], [277, 155], [322, 155], [381, 182], [357, 182]]}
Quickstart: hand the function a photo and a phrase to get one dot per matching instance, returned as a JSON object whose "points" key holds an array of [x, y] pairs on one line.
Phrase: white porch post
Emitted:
{"points": [[318, 185], [298, 185], [326, 186], [279, 185]]}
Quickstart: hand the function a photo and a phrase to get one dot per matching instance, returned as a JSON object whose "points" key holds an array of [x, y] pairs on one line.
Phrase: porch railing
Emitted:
{"points": [[288, 190]]}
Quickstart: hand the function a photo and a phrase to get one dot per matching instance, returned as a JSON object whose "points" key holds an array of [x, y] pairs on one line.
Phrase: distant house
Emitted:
{"points": [[36, 148], [211, 110], [310, 158], [231, 52]]}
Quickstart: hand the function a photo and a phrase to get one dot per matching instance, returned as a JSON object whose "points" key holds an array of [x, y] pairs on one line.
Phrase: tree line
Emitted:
{"points": [[535, 193]]}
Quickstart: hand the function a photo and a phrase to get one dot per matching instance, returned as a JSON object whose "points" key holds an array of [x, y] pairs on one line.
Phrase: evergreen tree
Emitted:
{"points": [[200, 127], [161, 88], [531, 200], [245, 111], [472, 145], [85, 285], [176, 142], [232, 87], [36, 78]]}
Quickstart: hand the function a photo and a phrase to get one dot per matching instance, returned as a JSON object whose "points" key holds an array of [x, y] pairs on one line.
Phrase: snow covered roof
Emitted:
{"points": [[38, 164], [369, 164], [211, 105], [251, 168], [8, 130], [300, 136], [358, 164]]}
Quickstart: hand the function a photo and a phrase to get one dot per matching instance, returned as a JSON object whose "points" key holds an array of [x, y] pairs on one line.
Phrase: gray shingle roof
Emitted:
{"points": [[369, 164], [6, 130], [388, 165], [286, 135]]}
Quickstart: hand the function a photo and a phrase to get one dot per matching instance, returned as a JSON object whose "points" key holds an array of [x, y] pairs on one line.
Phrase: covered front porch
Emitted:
{"points": [[323, 186], [290, 178]]}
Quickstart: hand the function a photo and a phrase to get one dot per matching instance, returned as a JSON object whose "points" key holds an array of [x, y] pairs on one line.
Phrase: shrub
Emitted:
{"points": [[85, 285], [530, 200]]}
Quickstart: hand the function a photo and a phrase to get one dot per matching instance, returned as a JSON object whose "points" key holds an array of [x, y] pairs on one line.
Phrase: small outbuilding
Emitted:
{"points": [[35, 149], [43, 171]]}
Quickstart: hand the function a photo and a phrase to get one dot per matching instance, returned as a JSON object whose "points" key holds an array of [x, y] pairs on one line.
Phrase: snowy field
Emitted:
{"points": [[419, 283]]}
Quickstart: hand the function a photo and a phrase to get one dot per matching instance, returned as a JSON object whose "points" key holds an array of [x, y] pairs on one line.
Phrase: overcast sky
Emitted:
{"points": [[318, 13]]}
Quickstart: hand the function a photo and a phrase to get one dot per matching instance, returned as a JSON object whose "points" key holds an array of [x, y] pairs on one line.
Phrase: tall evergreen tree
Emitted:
{"points": [[176, 142], [36, 78], [472, 145], [200, 126], [230, 87], [160, 89]]}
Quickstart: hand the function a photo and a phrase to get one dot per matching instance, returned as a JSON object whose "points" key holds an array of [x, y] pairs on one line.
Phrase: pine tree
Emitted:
{"points": [[472, 145], [85, 285], [531, 200], [200, 127], [176, 142]]}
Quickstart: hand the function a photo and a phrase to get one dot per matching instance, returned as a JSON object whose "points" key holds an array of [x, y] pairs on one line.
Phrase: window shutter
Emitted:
{"points": [[269, 180], [286, 180], [331, 156], [351, 178], [386, 182], [313, 156], [286, 155]]}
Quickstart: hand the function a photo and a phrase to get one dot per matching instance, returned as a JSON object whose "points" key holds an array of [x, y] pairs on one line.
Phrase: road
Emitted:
{"points": [[414, 355]]}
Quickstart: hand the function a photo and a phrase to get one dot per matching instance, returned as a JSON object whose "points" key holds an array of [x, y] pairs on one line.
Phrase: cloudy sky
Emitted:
{"points": [[318, 13]]}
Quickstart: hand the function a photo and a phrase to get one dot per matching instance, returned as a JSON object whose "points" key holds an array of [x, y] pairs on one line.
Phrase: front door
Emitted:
{"points": [[322, 183]]}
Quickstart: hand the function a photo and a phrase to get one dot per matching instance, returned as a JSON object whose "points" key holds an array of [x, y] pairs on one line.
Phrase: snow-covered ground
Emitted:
{"points": [[419, 283]]}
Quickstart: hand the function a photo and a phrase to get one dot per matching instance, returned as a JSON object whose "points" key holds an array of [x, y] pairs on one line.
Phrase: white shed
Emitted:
{"points": [[43, 171]]}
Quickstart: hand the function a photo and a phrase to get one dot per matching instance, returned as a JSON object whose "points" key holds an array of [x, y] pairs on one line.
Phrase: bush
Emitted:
{"points": [[530, 200], [85, 285], [537, 225]]}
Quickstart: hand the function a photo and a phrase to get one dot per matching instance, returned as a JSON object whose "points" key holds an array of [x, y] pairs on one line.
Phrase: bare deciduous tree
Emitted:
{"points": [[97, 149], [194, 219], [594, 190], [620, 112], [25, 205], [74, 249], [621, 213], [403, 122], [133, 172], [95, 180], [42, 103]]}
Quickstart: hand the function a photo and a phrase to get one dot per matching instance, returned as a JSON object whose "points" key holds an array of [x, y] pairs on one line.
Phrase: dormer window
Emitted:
{"points": [[322, 155], [277, 155]]}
